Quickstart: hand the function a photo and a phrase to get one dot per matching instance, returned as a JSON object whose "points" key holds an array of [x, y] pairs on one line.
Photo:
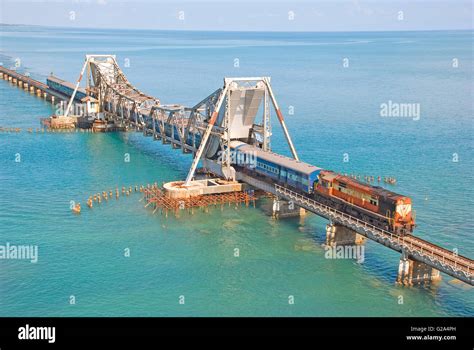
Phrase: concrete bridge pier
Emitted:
{"points": [[341, 235], [412, 272], [284, 209]]}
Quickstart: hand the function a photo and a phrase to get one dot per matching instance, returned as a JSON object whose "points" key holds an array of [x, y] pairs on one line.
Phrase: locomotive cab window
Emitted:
{"points": [[326, 184]]}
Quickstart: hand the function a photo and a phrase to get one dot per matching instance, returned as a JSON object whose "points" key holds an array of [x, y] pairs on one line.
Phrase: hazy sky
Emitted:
{"points": [[258, 15]]}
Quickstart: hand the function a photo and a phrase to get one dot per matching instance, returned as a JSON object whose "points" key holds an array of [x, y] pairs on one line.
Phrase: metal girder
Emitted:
{"points": [[206, 135], [280, 118], [210, 108]]}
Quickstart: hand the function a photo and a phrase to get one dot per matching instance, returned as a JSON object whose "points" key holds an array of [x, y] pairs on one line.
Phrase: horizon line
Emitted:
{"points": [[241, 31]]}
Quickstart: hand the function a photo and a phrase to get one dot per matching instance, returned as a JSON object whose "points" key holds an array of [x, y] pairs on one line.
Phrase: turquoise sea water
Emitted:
{"points": [[336, 111]]}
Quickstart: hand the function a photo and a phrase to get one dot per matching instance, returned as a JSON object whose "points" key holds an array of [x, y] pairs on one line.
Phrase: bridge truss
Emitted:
{"points": [[205, 129]]}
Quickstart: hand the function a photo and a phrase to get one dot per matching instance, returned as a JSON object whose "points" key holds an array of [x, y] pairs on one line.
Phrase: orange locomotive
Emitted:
{"points": [[380, 207]]}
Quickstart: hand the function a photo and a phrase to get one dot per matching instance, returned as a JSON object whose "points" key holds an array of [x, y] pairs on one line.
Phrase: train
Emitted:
{"points": [[375, 205], [64, 87]]}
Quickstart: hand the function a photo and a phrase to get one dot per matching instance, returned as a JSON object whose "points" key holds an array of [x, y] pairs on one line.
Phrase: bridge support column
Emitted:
{"points": [[281, 208], [413, 272], [341, 235]]}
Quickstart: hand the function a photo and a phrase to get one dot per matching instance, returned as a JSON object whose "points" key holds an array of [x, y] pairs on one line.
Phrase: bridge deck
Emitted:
{"points": [[35, 83], [429, 253]]}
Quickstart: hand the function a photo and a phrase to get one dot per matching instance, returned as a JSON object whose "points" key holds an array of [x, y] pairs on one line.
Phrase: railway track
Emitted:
{"points": [[33, 83], [458, 260]]}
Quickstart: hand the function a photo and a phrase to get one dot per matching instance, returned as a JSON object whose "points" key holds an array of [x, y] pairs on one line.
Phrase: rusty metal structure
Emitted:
{"points": [[205, 129], [156, 198]]}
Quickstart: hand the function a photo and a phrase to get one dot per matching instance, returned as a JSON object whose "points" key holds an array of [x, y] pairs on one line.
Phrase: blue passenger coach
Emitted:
{"points": [[283, 170], [65, 87]]}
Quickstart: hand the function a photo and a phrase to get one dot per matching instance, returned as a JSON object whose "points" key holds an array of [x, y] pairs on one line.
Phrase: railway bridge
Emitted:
{"points": [[241, 110], [27, 83]]}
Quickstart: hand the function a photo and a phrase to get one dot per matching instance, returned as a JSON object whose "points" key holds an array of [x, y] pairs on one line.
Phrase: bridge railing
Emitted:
{"points": [[409, 243]]}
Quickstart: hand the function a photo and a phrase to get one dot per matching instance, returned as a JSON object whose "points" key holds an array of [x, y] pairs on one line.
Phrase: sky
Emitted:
{"points": [[243, 15]]}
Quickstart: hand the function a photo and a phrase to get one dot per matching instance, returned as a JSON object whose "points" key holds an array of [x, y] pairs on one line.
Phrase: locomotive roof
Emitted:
{"points": [[378, 190], [275, 158], [387, 193]]}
